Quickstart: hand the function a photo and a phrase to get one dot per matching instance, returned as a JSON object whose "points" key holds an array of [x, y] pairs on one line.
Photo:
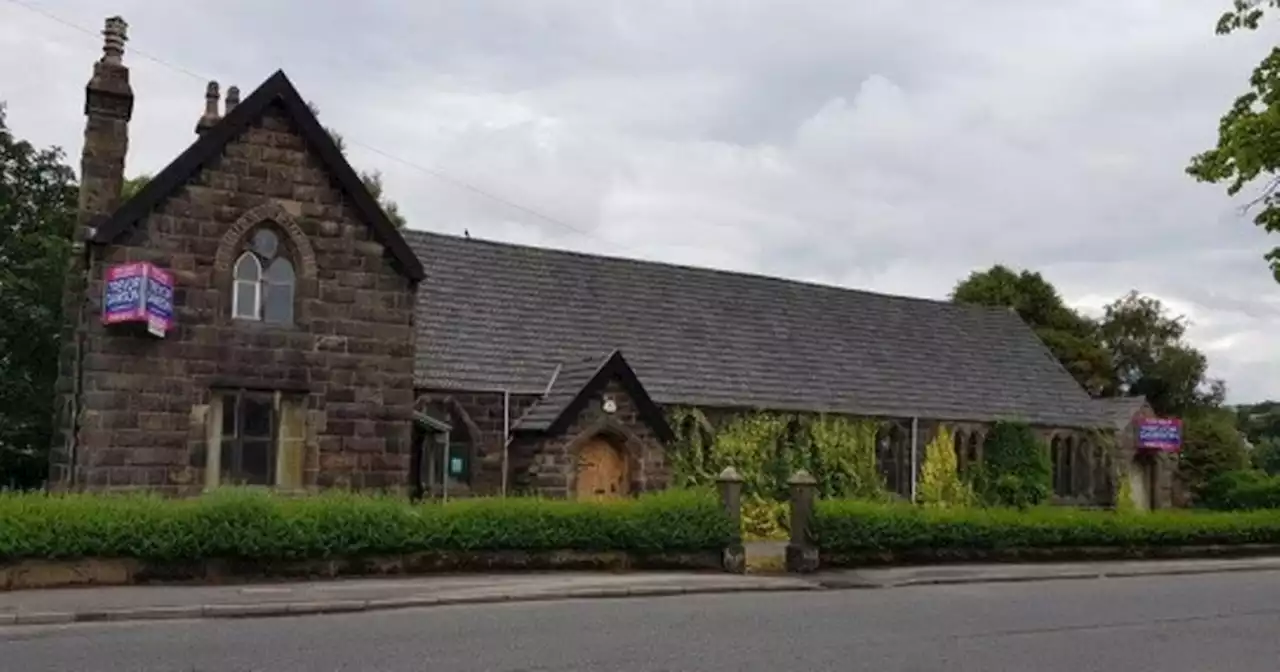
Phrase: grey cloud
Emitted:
{"points": [[886, 145]]}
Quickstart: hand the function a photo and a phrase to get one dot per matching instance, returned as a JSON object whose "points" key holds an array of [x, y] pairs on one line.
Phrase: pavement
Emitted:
{"points": [[166, 602], [896, 577], [169, 602], [1191, 623]]}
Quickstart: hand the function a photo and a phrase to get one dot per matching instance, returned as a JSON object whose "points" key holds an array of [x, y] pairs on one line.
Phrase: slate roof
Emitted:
{"points": [[276, 90], [495, 316], [573, 383], [1118, 412], [567, 381]]}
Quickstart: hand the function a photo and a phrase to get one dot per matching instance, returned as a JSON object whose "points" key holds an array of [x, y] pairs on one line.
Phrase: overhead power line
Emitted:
{"points": [[433, 172]]}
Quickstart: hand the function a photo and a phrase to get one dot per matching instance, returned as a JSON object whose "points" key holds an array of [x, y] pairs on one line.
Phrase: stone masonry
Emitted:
{"points": [[480, 414], [144, 401], [547, 466]]}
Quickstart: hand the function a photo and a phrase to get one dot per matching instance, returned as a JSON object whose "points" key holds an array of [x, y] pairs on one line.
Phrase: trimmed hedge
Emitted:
{"points": [[862, 531], [1244, 490], [243, 525]]}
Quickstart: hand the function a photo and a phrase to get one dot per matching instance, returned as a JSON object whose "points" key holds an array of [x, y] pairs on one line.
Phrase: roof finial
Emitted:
{"points": [[233, 99], [210, 116], [114, 35]]}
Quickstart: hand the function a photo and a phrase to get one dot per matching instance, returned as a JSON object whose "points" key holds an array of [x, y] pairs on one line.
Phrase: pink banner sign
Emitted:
{"points": [[1160, 434], [139, 293]]}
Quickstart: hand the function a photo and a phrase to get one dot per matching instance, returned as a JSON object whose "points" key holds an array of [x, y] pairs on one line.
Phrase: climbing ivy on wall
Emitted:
{"points": [[690, 464], [1015, 468], [1115, 471], [767, 448], [845, 452], [940, 481]]}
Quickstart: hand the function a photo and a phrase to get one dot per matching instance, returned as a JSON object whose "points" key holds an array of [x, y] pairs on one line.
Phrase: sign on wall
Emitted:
{"points": [[1162, 434], [139, 293]]}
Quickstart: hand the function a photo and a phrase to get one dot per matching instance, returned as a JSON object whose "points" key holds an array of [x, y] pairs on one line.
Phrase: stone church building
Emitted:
{"points": [[287, 334]]}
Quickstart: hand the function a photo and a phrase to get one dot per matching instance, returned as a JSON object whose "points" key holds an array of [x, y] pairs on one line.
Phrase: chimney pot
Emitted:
{"points": [[114, 34], [210, 116], [233, 99]]}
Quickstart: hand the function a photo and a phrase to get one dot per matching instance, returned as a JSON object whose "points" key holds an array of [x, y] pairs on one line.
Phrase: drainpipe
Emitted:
{"points": [[915, 432], [506, 437], [444, 470], [77, 372]]}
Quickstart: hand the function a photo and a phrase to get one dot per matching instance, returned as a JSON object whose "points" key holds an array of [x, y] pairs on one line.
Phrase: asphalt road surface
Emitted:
{"points": [[1218, 623]]}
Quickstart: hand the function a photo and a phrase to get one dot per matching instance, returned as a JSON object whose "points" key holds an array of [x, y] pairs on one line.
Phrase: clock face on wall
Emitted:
{"points": [[609, 405]]}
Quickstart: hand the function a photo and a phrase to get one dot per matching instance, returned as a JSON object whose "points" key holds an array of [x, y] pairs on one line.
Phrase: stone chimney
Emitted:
{"points": [[108, 106], [233, 99], [210, 116]]}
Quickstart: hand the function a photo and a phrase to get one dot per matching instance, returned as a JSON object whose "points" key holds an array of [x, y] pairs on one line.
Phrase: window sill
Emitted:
{"points": [[259, 325]]}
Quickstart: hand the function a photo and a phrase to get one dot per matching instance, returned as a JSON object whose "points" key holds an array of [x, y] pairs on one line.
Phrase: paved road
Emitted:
{"points": [[1172, 624]]}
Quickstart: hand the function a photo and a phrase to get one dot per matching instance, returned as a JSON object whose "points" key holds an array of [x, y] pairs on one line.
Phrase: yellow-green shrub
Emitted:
{"points": [[765, 519], [940, 482]]}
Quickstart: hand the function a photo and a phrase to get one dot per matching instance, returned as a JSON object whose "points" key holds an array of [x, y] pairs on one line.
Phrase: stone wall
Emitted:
{"points": [[480, 414], [1165, 492], [349, 354], [548, 465]]}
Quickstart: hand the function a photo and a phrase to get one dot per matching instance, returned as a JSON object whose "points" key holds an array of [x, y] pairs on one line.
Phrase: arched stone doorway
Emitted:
{"points": [[601, 470]]}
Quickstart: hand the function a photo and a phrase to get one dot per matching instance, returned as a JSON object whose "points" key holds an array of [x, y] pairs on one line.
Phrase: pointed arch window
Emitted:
{"points": [[893, 458], [1062, 455], [264, 281]]}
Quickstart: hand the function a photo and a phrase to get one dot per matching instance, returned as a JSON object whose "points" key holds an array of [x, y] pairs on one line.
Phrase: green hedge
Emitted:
{"points": [[1242, 490], [240, 525], [863, 530]]}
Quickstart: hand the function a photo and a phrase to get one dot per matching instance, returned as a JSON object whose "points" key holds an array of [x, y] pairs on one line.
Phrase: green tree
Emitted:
{"points": [[1151, 357], [1259, 422], [372, 180], [37, 217], [1211, 446], [132, 186], [1266, 455], [1248, 145], [1071, 337]]}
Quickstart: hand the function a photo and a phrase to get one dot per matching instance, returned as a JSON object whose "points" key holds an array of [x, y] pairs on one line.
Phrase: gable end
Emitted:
{"points": [[211, 144]]}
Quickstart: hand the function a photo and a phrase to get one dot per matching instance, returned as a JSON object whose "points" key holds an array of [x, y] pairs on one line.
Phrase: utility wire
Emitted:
{"points": [[433, 172]]}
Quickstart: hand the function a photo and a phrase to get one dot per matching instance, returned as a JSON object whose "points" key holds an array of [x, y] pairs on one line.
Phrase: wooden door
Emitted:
{"points": [[1140, 484], [602, 471]]}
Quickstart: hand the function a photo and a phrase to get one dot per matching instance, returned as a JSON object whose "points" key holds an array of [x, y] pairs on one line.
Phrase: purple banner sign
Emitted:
{"points": [[1162, 434], [139, 293]]}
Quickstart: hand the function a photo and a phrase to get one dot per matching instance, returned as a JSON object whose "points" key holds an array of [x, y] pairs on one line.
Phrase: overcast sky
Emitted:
{"points": [[878, 144]]}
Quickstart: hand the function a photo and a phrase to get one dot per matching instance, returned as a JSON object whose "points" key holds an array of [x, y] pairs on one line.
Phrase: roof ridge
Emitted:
{"points": [[422, 233]]}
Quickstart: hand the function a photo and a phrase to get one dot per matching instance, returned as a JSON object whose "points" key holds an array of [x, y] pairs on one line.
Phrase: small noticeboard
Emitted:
{"points": [[1160, 434], [139, 293]]}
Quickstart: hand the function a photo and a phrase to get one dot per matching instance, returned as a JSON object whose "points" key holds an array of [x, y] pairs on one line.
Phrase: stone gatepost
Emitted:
{"points": [[802, 555], [730, 484]]}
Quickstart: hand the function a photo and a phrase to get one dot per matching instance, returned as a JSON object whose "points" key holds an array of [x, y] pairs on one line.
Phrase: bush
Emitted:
{"points": [[765, 519], [1242, 490], [1211, 446], [940, 482], [1266, 455], [1015, 469], [767, 448], [258, 526], [876, 530]]}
